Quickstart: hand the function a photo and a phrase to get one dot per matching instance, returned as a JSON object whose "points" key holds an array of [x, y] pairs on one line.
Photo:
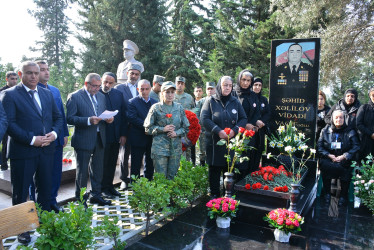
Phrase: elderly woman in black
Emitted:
{"points": [[337, 146], [349, 104], [365, 126], [262, 122], [220, 111], [248, 99]]}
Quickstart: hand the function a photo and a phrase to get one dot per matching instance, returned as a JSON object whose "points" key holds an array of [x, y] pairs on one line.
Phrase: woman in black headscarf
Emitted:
{"points": [[365, 126], [337, 146], [262, 122], [220, 111], [349, 104]]}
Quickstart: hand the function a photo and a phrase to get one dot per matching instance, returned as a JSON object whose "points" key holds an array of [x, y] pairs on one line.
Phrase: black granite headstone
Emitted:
{"points": [[294, 84]]}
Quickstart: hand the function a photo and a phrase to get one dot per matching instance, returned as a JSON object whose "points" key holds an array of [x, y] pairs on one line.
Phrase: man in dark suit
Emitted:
{"points": [[3, 121], [116, 132], [128, 90], [34, 123], [84, 107], [140, 142], [11, 79], [62, 137]]}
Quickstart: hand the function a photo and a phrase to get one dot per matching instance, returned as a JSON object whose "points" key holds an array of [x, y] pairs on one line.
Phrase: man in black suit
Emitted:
{"points": [[140, 142], [3, 121], [11, 79], [34, 122], [84, 107], [128, 90], [116, 132]]}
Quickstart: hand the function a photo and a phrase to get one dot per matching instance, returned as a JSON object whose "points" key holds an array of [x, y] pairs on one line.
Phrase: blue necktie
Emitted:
{"points": [[32, 93], [94, 103]]}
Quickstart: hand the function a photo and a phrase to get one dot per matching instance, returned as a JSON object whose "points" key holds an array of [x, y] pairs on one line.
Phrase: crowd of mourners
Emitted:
{"points": [[151, 126]]}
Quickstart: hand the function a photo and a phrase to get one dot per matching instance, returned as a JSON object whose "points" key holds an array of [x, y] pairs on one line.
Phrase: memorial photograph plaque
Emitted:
{"points": [[293, 94]]}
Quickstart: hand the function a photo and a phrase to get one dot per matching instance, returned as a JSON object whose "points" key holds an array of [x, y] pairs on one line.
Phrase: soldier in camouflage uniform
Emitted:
{"points": [[156, 89], [188, 103], [181, 97], [210, 90], [167, 122]]}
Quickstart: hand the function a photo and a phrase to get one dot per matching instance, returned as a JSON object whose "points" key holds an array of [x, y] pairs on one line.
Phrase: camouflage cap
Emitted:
{"points": [[210, 85], [167, 85], [136, 67], [180, 79], [158, 79], [128, 44]]}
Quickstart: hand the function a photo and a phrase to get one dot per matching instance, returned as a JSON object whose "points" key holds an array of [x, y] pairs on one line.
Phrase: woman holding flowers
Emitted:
{"points": [[167, 122], [248, 100], [337, 146], [221, 116]]}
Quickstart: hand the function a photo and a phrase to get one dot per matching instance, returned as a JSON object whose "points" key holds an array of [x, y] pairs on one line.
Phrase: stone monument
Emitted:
{"points": [[130, 49]]}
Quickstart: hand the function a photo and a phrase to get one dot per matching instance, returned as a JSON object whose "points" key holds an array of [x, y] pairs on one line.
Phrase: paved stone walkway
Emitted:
{"points": [[130, 221]]}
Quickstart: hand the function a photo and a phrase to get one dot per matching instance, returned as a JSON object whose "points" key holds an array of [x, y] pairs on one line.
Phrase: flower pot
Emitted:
{"points": [[228, 182], [294, 195], [223, 222], [281, 236]]}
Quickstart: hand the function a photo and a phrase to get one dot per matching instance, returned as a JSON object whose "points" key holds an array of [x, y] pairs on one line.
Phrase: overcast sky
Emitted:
{"points": [[19, 31]]}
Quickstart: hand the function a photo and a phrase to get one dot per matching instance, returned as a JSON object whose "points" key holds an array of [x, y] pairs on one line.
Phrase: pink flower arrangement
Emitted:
{"points": [[284, 220], [222, 207]]}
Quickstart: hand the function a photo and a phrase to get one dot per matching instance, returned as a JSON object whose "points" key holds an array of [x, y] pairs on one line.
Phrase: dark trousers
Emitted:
{"points": [[215, 173], [26, 171], [260, 146], [124, 159], [56, 176], [89, 162], [193, 154], [110, 163], [137, 154], [4, 159]]}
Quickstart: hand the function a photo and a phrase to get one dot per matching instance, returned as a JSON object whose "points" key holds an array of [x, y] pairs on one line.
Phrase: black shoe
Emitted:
{"points": [[107, 194], [4, 167], [114, 192], [342, 201], [56, 208], [99, 200], [327, 198], [202, 163], [24, 238]]}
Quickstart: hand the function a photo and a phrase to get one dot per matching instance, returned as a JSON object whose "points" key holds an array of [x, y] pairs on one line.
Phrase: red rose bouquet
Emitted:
{"points": [[222, 207], [284, 220], [193, 131]]}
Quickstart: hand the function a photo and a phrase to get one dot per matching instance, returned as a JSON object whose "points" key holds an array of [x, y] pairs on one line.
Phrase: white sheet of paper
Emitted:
{"points": [[108, 114]]}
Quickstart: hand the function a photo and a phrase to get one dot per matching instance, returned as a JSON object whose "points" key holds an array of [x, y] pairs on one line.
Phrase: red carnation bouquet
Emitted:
{"points": [[284, 220], [222, 207], [193, 130]]}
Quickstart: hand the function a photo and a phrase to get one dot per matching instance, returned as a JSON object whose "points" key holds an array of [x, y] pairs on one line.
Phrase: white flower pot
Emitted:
{"points": [[281, 236], [223, 222]]}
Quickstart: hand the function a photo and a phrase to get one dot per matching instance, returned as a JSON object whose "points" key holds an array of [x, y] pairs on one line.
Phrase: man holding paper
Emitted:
{"points": [[84, 107], [116, 132]]}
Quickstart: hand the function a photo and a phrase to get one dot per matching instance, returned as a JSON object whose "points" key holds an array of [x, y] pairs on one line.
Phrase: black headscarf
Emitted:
{"points": [[239, 90], [258, 79], [351, 91], [219, 95]]}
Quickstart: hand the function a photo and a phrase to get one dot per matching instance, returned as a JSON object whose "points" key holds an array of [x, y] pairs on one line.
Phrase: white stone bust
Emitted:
{"points": [[130, 49]]}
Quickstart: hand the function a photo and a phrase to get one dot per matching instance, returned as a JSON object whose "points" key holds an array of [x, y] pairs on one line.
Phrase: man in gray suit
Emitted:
{"points": [[129, 91], [84, 107]]}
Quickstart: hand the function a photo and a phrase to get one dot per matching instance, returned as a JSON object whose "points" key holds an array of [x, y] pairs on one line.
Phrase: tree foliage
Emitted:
{"points": [[108, 23], [346, 28], [53, 22]]}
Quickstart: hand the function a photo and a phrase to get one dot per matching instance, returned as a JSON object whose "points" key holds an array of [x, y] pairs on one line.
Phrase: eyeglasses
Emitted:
{"points": [[94, 86]]}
